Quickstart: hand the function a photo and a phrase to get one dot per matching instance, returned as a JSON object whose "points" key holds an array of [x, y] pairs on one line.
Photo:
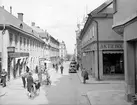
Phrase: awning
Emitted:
{"points": [[18, 54], [113, 52]]}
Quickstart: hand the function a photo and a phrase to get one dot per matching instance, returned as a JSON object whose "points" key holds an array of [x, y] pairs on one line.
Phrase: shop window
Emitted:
{"points": [[113, 64]]}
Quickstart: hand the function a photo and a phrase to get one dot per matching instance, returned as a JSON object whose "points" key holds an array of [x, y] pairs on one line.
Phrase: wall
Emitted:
{"points": [[125, 10], [130, 31], [105, 30]]}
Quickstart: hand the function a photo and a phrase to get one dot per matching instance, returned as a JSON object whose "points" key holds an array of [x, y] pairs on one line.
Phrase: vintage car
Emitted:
{"points": [[73, 67]]}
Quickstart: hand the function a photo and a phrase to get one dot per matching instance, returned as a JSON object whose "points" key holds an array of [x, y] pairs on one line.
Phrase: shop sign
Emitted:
{"points": [[111, 46]]}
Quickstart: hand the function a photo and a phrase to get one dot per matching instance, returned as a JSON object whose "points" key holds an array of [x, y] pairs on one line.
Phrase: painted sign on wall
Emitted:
{"points": [[112, 46]]}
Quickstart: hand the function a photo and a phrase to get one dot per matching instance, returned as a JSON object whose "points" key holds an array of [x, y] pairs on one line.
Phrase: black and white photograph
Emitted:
{"points": [[68, 52]]}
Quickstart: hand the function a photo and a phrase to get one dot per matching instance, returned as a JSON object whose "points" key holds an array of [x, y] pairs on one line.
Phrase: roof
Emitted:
{"points": [[53, 39], [10, 20], [40, 31], [96, 13], [101, 7]]}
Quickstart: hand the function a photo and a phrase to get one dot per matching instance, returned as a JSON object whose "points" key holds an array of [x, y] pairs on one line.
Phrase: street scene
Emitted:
{"points": [[68, 52]]}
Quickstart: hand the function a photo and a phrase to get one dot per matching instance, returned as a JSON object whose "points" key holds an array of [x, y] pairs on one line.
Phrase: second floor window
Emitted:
{"points": [[11, 38], [16, 39]]}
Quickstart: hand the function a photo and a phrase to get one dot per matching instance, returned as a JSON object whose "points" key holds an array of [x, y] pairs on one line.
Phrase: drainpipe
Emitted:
{"points": [[97, 48], [3, 32]]}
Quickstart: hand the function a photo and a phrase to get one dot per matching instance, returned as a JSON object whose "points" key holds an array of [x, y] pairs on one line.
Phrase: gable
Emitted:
{"points": [[108, 9]]}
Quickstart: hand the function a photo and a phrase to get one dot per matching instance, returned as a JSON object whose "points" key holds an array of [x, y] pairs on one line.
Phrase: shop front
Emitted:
{"points": [[113, 61], [17, 62]]}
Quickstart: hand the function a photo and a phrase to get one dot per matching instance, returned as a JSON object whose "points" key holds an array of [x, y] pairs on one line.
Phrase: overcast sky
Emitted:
{"points": [[58, 17]]}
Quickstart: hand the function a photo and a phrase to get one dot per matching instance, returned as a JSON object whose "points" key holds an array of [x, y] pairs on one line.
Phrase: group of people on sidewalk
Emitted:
{"points": [[33, 80]]}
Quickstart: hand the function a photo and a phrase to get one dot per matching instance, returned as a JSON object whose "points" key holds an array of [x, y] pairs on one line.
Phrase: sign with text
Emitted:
{"points": [[112, 46]]}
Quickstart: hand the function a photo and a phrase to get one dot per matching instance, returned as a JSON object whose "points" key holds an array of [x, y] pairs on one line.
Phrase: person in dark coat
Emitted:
{"points": [[3, 77], [84, 75], [61, 68], [30, 83], [56, 67], [77, 66]]}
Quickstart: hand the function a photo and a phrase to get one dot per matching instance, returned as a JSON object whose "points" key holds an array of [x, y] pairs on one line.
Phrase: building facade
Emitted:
{"points": [[63, 50], [20, 45], [102, 48], [125, 24], [53, 49]]}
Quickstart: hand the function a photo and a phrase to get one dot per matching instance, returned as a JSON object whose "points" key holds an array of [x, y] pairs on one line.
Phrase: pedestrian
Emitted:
{"points": [[3, 77], [84, 75], [56, 67], [61, 68], [30, 87], [77, 66], [24, 76], [40, 76]]}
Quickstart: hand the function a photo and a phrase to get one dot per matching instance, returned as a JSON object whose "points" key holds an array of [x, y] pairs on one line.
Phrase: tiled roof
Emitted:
{"points": [[8, 19]]}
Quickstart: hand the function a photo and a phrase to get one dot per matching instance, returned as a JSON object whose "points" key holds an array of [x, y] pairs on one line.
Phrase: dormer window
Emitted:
{"points": [[32, 31], [21, 26]]}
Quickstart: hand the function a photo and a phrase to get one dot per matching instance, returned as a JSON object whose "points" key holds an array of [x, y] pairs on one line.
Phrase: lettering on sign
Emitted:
{"points": [[111, 46]]}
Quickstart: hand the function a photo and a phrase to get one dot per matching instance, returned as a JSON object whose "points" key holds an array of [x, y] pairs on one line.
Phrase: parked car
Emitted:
{"points": [[73, 67]]}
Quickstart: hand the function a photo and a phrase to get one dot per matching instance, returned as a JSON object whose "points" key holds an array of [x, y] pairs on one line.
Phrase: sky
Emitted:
{"points": [[58, 17]]}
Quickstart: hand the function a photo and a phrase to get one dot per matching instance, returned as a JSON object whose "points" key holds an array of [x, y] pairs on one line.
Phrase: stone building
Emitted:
{"points": [[125, 24], [20, 45], [53, 49], [62, 50], [102, 47]]}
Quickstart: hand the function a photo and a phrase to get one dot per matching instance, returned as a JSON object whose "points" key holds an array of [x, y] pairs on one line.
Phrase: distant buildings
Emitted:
{"points": [[22, 45], [63, 50]]}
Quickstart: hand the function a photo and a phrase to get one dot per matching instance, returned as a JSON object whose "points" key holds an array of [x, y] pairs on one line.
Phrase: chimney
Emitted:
{"points": [[11, 9], [20, 16], [32, 23], [3, 7]]}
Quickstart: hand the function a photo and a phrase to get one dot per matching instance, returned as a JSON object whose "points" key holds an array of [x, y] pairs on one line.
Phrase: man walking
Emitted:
{"points": [[24, 76], [3, 77], [61, 68], [30, 84]]}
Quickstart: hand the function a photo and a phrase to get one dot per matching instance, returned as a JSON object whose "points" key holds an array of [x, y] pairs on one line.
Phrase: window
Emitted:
{"points": [[93, 30], [11, 38], [27, 44], [115, 6], [24, 42], [16, 39], [20, 42]]}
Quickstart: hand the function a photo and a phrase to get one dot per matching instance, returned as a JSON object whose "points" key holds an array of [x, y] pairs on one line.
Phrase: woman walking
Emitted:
{"points": [[84, 75]]}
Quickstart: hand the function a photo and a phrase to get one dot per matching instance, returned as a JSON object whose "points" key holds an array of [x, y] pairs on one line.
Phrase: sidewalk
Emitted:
{"points": [[106, 92], [94, 81], [15, 84]]}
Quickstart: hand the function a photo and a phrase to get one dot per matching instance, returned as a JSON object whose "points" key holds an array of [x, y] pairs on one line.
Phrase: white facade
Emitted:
{"points": [[63, 50], [21, 46]]}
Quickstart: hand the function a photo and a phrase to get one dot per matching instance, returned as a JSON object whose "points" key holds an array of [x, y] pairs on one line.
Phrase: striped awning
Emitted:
{"points": [[113, 52]]}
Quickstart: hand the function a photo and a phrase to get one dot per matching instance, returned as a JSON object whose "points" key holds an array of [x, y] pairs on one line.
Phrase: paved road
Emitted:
{"points": [[66, 89]]}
